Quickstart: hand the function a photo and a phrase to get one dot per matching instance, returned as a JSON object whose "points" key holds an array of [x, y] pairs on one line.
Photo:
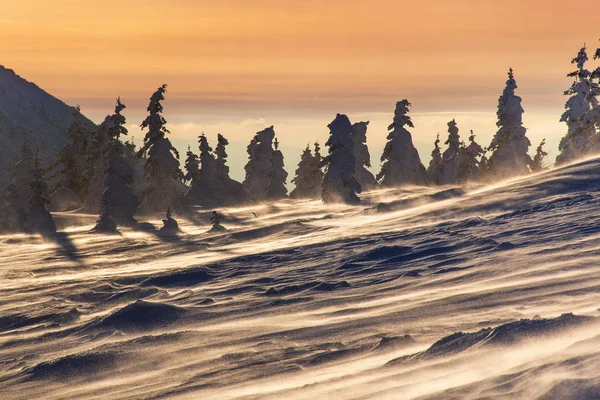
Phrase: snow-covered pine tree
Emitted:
{"points": [[583, 92], [105, 222], [316, 175], [204, 190], [301, 180], [221, 154], [73, 165], [117, 199], [277, 175], [467, 168], [436, 165], [309, 176], [232, 192], [260, 153], [339, 183], [537, 164], [450, 156], [164, 186], [363, 159], [401, 164], [170, 225], [591, 119], [192, 165], [15, 205], [39, 220], [509, 146], [215, 220]]}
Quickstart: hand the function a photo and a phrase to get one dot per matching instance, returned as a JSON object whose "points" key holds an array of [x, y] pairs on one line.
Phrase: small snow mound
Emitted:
{"points": [[502, 335], [73, 366], [180, 279], [142, 315]]}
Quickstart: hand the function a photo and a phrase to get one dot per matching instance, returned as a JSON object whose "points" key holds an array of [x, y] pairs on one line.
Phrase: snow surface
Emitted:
{"points": [[432, 293]]}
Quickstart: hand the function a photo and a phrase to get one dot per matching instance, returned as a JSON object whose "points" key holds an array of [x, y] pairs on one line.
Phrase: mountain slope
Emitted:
{"points": [[28, 113]]}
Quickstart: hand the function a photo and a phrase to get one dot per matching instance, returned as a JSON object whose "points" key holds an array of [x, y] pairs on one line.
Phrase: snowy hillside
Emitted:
{"points": [[432, 293], [29, 113]]}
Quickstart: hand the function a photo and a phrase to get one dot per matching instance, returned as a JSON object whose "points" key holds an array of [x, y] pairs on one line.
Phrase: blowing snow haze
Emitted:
{"points": [[299, 200]]}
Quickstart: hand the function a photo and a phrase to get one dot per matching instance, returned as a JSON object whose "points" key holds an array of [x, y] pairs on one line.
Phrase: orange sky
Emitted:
{"points": [[233, 60]]}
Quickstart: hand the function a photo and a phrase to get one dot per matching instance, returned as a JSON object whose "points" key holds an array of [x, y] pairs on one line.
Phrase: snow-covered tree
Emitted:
{"points": [[210, 184], [192, 165], [467, 168], [583, 92], [277, 175], [170, 225], [401, 164], [436, 165], [117, 200], [215, 220], [164, 187], [39, 220], [339, 183], [204, 190], [105, 222], [301, 180], [509, 146], [221, 154], [450, 156], [309, 177], [537, 164], [232, 191], [15, 207], [591, 119], [73, 162], [363, 159], [260, 152]]}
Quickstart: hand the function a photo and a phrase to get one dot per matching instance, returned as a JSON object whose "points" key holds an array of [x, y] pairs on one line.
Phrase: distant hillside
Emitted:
{"points": [[29, 113]]}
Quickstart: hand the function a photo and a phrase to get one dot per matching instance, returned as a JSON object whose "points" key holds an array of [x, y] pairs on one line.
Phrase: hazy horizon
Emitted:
{"points": [[236, 69]]}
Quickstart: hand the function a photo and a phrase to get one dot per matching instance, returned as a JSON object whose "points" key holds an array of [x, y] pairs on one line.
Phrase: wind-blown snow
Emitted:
{"points": [[440, 293]]}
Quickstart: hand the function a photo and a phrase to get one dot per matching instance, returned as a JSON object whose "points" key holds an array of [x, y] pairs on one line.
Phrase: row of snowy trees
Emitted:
{"points": [[103, 174]]}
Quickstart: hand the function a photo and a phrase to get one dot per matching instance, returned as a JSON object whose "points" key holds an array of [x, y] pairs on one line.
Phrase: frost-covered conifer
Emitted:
{"points": [[170, 225], [232, 192], [105, 222], [467, 161], [401, 162], [450, 156], [309, 176], [211, 185], [591, 119], [363, 159], [117, 199], [436, 165], [192, 165], [15, 205], [221, 154], [215, 220], [164, 187], [301, 180], [537, 164], [583, 92], [340, 184], [39, 220], [510, 145], [73, 163], [277, 175], [204, 190], [260, 152]]}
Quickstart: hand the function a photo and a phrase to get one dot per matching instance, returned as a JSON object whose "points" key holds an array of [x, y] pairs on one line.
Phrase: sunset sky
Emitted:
{"points": [[237, 66]]}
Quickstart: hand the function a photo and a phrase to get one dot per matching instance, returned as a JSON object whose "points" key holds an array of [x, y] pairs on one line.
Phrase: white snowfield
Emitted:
{"points": [[300, 300]]}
